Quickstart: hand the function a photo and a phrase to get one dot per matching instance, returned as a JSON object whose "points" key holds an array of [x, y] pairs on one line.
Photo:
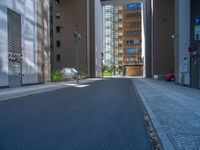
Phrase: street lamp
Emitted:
{"points": [[77, 38]]}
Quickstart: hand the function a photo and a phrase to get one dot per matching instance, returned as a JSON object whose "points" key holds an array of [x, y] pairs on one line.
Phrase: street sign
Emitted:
{"points": [[197, 21], [197, 32], [197, 28]]}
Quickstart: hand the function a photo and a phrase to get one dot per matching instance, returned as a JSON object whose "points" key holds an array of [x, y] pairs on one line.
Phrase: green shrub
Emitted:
{"points": [[58, 76], [107, 72]]}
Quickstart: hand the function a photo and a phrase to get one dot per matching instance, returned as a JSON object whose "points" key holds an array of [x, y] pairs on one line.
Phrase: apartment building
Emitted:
{"points": [[24, 40], [84, 17], [122, 40]]}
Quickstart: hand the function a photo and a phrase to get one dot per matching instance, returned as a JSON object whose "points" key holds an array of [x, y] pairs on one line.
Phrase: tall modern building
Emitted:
{"points": [[84, 17], [24, 42], [122, 38]]}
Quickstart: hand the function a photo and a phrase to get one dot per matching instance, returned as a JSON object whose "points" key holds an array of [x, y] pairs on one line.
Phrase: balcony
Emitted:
{"points": [[132, 45], [132, 11]]}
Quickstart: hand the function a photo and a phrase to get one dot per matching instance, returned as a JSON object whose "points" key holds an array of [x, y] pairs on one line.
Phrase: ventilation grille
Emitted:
{"points": [[14, 36], [14, 32]]}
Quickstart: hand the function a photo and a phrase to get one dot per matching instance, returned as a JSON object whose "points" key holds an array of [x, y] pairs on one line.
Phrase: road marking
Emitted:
{"points": [[77, 85], [82, 86]]}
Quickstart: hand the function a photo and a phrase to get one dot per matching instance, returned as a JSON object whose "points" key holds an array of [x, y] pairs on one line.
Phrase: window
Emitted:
{"points": [[129, 42], [58, 44], [51, 20], [57, 1], [58, 58], [58, 15], [130, 50], [133, 6], [130, 59], [57, 29], [51, 33], [51, 45], [130, 33]]}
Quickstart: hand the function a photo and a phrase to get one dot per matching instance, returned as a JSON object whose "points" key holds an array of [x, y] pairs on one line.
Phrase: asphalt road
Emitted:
{"points": [[102, 116]]}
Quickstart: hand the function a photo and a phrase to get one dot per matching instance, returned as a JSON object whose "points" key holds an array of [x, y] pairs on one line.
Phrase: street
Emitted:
{"points": [[103, 115]]}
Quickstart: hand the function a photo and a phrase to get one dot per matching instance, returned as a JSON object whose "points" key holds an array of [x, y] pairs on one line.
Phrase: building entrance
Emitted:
{"points": [[14, 48]]}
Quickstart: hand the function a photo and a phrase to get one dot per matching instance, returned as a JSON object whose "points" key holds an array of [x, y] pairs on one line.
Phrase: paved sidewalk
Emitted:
{"points": [[10, 93], [174, 112]]}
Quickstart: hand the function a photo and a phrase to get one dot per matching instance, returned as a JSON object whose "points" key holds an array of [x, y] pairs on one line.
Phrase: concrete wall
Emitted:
{"points": [[28, 11], [146, 38], [43, 38], [162, 43], [98, 36], [182, 39], [3, 46]]}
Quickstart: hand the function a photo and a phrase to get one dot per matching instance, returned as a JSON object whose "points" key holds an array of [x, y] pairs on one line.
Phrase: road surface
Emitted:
{"points": [[104, 115]]}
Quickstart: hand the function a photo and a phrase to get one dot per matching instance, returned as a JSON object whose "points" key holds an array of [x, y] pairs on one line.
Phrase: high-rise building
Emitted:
{"points": [[84, 17], [24, 40], [123, 48]]}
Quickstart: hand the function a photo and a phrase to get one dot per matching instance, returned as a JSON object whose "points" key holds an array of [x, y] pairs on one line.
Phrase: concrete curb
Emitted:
{"points": [[163, 138], [34, 91], [30, 93]]}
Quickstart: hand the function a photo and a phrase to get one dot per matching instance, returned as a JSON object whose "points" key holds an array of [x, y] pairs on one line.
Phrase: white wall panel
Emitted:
{"points": [[98, 35], [184, 37], [28, 11], [3, 47]]}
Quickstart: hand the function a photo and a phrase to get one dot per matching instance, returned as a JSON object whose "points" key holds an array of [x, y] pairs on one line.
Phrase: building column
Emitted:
{"points": [[146, 37], [182, 41]]}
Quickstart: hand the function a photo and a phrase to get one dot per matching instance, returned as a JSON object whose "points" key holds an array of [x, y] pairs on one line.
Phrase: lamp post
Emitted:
{"points": [[77, 38]]}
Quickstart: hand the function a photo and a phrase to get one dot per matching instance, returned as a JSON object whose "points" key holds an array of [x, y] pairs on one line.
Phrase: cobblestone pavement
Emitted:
{"points": [[175, 111]]}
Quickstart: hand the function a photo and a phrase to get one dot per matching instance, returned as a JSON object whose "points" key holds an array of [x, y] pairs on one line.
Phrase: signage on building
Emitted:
{"points": [[197, 21], [197, 28]]}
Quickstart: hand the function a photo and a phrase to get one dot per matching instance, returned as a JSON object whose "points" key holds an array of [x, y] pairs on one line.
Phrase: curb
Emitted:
{"points": [[36, 92], [156, 133], [30, 93]]}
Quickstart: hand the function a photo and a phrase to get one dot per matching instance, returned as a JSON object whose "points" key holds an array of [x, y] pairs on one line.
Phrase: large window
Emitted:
{"points": [[129, 42], [130, 51], [133, 6], [57, 29], [58, 44], [133, 50], [58, 58]]}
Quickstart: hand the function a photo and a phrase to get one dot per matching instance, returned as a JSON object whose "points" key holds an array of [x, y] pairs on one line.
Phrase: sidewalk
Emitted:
{"points": [[10, 93], [174, 112]]}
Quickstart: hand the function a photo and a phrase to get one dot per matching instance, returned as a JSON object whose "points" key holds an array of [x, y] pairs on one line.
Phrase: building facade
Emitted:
{"points": [[172, 39], [122, 40], [84, 17], [24, 42]]}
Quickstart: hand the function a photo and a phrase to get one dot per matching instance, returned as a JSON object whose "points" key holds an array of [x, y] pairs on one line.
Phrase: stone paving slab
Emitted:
{"points": [[10, 93], [174, 112]]}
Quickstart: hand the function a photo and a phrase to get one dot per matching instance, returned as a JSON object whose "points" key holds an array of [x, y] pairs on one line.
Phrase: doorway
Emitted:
{"points": [[195, 68], [14, 48]]}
